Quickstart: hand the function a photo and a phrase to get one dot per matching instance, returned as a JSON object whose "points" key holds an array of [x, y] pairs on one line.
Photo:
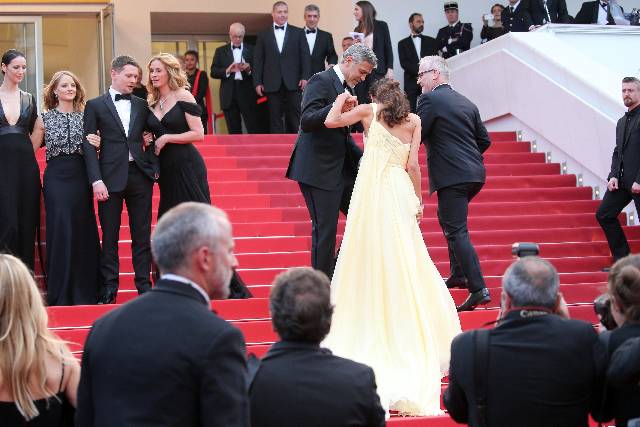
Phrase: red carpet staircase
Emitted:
{"points": [[525, 199]]}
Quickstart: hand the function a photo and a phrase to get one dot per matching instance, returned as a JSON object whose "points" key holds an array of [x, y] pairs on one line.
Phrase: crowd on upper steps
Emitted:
{"points": [[167, 359]]}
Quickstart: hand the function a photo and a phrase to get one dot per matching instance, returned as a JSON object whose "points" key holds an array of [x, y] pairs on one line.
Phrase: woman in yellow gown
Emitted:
{"points": [[393, 310]]}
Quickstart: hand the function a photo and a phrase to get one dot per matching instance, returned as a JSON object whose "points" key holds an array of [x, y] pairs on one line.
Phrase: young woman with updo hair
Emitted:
{"points": [[623, 402]]}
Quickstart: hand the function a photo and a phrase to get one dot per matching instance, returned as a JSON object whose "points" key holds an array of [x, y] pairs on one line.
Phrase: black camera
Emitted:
{"points": [[522, 249], [602, 307]]}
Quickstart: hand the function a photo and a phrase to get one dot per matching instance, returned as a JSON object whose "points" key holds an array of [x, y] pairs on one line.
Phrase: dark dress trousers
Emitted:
{"points": [[280, 73], [535, 13], [301, 384], [325, 164], [542, 371], [455, 137], [409, 61], [588, 14], [625, 165], [323, 50], [460, 35], [515, 20], [163, 359], [384, 52], [237, 97], [131, 182]]}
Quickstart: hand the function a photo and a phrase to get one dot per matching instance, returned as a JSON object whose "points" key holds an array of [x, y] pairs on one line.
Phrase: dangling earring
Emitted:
{"points": [[55, 95]]}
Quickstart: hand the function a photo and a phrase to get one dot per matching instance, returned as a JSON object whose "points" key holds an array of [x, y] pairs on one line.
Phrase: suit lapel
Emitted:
{"points": [[112, 108], [272, 37], [286, 38], [135, 108], [596, 11], [632, 124], [337, 85], [315, 45]]}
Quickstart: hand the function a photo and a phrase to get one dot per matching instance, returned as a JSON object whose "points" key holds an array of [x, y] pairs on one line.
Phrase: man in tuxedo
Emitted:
{"points": [[165, 358], [540, 12], [536, 368], [232, 65], [325, 161], [456, 36], [624, 178], [320, 42], [282, 66], [125, 171], [595, 12], [514, 19], [298, 383], [455, 137], [410, 50]]}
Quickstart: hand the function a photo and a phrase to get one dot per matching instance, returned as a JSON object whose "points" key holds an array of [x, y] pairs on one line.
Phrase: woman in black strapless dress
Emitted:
{"points": [[19, 171], [175, 123]]}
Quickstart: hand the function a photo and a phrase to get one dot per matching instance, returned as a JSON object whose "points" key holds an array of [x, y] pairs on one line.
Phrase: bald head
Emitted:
{"points": [[236, 33], [531, 281]]}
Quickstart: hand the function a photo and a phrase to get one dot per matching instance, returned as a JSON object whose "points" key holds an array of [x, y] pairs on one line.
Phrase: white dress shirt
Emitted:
{"points": [[338, 71], [514, 6], [417, 42], [602, 14], [237, 58], [194, 285], [123, 107], [280, 35], [311, 39]]}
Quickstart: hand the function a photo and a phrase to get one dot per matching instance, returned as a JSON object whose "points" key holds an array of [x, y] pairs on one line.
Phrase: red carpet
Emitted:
{"points": [[525, 199]]}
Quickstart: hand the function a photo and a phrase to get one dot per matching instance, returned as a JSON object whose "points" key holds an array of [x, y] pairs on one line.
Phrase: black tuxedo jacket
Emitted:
{"points": [[301, 384], [588, 13], [320, 153], [627, 152], [112, 167], [455, 137], [222, 58], [542, 371], [163, 359], [271, 67], [535, 13], [463, 32], [382, 47], [517, 21], [323, 50], [409, 60]]}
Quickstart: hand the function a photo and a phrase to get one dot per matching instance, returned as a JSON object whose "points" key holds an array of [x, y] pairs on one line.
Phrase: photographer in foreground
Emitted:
{"points": [[537, 367]]}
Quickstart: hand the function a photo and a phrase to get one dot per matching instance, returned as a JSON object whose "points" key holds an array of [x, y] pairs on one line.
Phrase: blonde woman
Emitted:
{"points": [[38, 375], [176, 125], [73, 249]]}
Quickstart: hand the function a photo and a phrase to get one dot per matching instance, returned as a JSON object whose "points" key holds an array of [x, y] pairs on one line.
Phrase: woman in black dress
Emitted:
{"points": [[489, 33], [19, 172], [73, 247], [175, 123]]}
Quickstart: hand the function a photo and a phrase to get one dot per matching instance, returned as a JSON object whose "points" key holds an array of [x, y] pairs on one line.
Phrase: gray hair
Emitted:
{"points": [[312, 8], [238, 26], [360, 53], [531, 281], [436, 63], [185, 228]]}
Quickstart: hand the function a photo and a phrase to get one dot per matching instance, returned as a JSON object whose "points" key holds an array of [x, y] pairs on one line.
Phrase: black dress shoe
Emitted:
{"points": [[456, 282], [107, 297], [475, 299]]}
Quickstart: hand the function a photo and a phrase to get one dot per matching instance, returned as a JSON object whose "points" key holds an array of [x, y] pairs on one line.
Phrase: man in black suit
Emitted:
{"points": [[320, 42], [455, 138], [540, 12], [410, 50], [325, 161], [165, 358], [624, 178], [299, 383], [514, 19], [232, 65], [125, 172], [456, 36], [596, 12], [282, 66], [536, 368]]}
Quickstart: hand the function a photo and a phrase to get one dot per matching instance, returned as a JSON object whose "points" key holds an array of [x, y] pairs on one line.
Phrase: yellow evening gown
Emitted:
{"points": [[393, 310]]}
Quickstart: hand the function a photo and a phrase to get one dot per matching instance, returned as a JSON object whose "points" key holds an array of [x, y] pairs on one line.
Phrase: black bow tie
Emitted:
{"points": [[120, 96], [415, 35], [278, 27], [308, 31], [236, 47]]}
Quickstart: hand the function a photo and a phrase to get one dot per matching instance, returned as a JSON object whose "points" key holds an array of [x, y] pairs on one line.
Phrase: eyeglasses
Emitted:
{"points": [[422, 73]]}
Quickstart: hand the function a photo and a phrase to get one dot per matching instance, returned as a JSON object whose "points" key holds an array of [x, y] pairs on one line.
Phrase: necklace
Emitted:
{"points": [[162, 101]]}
